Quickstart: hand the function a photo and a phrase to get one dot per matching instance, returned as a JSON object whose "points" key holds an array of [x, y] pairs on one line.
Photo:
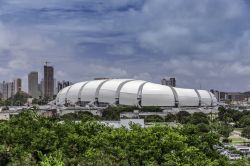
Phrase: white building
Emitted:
{"points": [[133, 93]]}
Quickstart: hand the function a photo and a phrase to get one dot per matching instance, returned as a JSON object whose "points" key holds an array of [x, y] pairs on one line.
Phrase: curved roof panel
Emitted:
{"points": [[157, 95], [129, 92], [187, 97], [206, 99], [89, 90], [72, 96], [108, 90], [61, 97], [215, 102]]}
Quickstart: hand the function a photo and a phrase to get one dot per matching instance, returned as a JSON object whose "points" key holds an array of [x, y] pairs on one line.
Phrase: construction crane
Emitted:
{"points": [[46, 63]]}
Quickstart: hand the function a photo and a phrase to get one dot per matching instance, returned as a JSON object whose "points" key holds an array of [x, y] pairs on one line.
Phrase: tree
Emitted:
{"points": [[245, 121], [225, 130], [246, 132], [183, 117], [203, 127], [70, 116], [35, 101], [225, 115], [170, 118], [113, 113], [30, 139], [199, 117]]}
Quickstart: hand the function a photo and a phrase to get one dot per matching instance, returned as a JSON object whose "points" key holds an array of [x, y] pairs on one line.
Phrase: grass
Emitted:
{"points": [[238, 129], [237, 140]]}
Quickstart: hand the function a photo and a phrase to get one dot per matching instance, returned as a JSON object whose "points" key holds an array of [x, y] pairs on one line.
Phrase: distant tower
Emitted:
{"points": [[169, 82], [10, 89], [33, 84], [1, 90], [48, 81], [17, 85]]}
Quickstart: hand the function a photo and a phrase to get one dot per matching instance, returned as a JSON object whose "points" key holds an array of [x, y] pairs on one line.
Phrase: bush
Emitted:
{"points": [[183, 117], [153, 118], [170, 118], [80, 116], [199, 117], [204, 128], [113, 113], [151, 109]]}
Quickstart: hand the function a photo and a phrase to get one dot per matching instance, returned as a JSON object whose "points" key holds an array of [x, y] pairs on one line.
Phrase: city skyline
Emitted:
{"points": [[201, 43]]}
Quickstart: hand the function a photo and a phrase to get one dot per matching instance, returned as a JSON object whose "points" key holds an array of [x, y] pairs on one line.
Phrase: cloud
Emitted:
{"points": [[195, 41]]}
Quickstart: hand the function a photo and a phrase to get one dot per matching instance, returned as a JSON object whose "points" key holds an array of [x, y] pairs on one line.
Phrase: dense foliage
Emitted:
{"points": [[29, 139], [19, 99], [113, 113], [80, 116], [240, 119]]}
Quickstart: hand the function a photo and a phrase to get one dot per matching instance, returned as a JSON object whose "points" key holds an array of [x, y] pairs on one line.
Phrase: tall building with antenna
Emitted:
{"points": [[48, 81]]}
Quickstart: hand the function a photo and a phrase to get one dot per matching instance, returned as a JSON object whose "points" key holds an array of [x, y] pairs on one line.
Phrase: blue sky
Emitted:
{"points": [[200, 42]]}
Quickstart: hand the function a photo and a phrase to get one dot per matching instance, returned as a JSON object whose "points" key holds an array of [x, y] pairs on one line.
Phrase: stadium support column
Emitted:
{"points": [[199, 96], [80, 92], [139, 94], [175, 96], [97, 92], [212, 101], [66, 96]]}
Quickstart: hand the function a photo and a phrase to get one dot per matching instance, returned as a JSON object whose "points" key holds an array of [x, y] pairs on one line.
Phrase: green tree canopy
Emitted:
{"points": [[29, 139]]}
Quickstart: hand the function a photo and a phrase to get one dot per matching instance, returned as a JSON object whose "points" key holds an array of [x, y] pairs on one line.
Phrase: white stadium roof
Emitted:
{"points": [[134, 92]]}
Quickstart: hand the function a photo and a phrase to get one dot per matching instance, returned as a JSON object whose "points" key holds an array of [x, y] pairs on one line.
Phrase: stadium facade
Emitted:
{"points": [[132, 92]]}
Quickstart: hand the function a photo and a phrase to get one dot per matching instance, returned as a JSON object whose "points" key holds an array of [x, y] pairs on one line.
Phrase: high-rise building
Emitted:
{"points": [[1, 90], [11, 89], [228, 96], [169, 82], [33, 84], [17, 85], [7, 89], [1, 87], [55, 87], [48, 81]]}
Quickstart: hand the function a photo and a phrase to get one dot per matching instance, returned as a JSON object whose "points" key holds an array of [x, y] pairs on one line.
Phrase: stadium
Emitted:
{"points": [[130, 92]]}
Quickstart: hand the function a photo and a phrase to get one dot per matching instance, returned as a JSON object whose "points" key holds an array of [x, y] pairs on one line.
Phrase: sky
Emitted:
{"points": [[203, 43]]}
